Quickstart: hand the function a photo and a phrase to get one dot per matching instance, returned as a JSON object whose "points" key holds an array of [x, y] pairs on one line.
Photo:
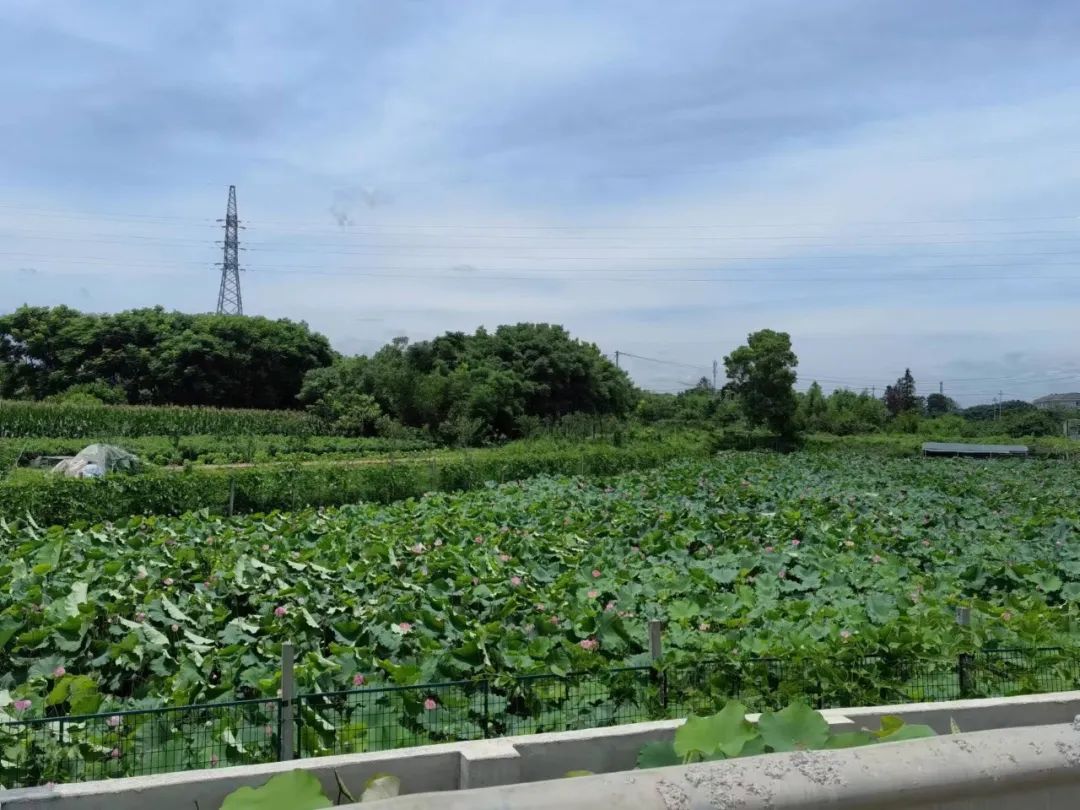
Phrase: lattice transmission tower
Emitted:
{"points": [[229, 301]]}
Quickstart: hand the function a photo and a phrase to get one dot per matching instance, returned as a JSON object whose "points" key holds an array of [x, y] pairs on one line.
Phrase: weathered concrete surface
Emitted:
{"points": [[1022, 769], [483, 763]]}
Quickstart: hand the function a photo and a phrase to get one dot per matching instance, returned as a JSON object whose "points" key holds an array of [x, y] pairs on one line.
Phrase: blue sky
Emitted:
{"points": [[893, 183]]}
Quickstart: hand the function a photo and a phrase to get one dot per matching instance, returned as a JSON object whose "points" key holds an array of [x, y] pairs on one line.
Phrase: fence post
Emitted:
{"points": [[288, 697], [487, 709], [656, 650], [965, 660]]}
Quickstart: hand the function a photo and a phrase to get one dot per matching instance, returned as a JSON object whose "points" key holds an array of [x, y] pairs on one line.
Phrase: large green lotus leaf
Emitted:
{"points": [[658, 755], [894, 729], [725, 732], [795, 728], [295, 790], [850, 739]]}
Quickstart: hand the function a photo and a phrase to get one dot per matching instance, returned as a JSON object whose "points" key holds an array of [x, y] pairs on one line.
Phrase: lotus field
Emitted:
{"points": [[815, 556]]}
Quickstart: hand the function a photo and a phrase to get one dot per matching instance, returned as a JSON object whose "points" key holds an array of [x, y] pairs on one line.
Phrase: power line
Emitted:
{"points": [[664, 362], [518, 226]]}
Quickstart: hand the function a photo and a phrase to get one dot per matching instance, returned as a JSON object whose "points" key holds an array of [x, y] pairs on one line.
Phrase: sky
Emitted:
{"points": [[895, 184]]}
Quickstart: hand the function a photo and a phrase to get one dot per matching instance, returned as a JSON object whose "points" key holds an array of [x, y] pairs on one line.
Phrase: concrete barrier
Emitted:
{"points": [[436, 769], [1033, 767]]}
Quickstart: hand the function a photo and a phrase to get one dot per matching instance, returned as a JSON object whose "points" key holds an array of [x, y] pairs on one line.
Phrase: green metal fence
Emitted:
{"points": [[139, 742]]}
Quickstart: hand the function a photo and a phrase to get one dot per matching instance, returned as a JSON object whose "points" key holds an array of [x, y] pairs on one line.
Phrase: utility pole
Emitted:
{"points": [[1001, 396], [617, 358], [941, 387], [229, 301], [714, 367]]}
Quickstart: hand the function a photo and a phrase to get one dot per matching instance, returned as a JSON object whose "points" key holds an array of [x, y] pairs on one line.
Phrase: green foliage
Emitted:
{"points": [[467, 388], [293, 790], [216, 450], [157, 357], [38, 420], [796, 727], [50, 499], [762, 375]]}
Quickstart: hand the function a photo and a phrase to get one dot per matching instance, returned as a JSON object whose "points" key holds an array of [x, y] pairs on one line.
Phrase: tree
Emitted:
{"points": [[939, 405], [158, 357], [762, 375], [813, 408], [466, 388], [901, 398]]}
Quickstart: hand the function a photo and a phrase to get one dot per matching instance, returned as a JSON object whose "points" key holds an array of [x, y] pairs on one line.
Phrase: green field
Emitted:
{"points": [[808, 555]]}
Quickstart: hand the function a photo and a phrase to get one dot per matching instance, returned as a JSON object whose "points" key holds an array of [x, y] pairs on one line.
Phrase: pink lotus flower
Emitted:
{"points": [[540, 607], [141, 573], [479, 539], [295, 554], [113, 721], [768, 549], [430, 704], [554, 620], [168, 580], [596, 573], [515, 581], [845, 634], [796, 542], [438, 543], [926, 543], [269, 730], [115, 753], [849, 543], [504, 557], [265, 547], [405, 627], [174, 627], [476, 580], [875, 559], [279, 611], [140, 616], [588, 644], [357, 679], [59, 672], [1006, 616], [593, 594], [417, 549], [610, 606], [703, 627], [782, 573], [22, 705]]}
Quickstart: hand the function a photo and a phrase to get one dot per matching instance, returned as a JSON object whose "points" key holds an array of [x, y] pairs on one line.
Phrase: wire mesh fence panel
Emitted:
{"points": [[1018, 672], [136, 743], [772, 683], [542, 703], [380, 719]]}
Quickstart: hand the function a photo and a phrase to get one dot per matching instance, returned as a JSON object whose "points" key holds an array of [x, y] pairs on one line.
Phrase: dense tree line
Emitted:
{"points": [[150, 356], [464, 388]]}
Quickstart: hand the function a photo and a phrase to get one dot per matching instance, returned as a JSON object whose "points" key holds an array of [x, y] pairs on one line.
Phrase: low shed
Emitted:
{"points": [[974, 450]]}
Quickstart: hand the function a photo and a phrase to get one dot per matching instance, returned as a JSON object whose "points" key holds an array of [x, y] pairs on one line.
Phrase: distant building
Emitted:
{"points": [[1059, 402]]}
